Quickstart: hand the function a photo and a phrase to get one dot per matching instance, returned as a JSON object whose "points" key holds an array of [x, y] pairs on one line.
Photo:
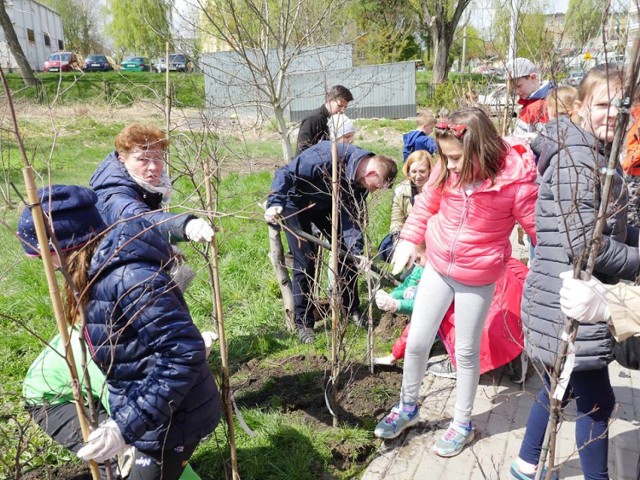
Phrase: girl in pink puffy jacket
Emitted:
{"points": [[481, 185]]}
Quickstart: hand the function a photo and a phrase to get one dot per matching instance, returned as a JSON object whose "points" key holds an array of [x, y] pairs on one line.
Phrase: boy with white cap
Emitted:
{"points": [[532, 95]]}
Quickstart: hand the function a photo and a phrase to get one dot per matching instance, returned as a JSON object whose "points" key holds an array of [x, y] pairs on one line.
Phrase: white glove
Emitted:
{"points": [[585, 301], [409, 293], [272, 214], [208, 337], [199, 230], [404, 254], [363, 264], [386, 302], [103, 443]]}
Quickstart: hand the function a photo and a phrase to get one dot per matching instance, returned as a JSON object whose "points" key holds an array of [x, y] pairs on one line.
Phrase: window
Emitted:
{"points": [[30, 35], [47, 40], [60, 45]]}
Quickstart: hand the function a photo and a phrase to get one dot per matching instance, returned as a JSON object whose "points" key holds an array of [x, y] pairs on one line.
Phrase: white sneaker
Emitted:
{"points": [[389, 360], [443, 369]]}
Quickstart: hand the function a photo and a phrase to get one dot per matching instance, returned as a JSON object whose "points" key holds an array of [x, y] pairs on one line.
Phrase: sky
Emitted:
{"points": [[482, 15]]}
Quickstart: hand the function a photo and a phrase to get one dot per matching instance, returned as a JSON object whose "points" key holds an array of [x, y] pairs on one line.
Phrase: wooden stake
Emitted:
{"points": [[335, 305], [276, 255], [214, 270]]}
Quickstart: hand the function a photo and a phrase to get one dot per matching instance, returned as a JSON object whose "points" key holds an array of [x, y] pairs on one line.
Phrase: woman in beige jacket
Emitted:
{"points": [[416, 170]]}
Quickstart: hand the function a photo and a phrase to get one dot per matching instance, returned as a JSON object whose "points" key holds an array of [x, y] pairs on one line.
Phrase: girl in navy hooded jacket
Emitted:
{"points": [[162, 395]]}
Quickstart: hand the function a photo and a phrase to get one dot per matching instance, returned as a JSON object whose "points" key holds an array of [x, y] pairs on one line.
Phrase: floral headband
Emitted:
{"points": [[456, 130]]}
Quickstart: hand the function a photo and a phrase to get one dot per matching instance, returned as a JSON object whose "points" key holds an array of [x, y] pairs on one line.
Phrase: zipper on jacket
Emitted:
{"points": [[455, 237]]}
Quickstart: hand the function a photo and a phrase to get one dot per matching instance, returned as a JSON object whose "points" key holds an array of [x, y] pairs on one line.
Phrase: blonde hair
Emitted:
{"points": [[138, 135], [561, 100], [426, 118], [596, 76], [417, 157]]}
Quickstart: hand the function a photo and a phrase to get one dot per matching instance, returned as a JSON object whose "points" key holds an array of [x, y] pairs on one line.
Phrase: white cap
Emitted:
{"points": [[521, 67], [340, 125]]}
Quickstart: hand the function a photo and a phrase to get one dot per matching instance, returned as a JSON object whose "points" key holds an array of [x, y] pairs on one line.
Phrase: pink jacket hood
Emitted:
{"points": [[467, 235]]}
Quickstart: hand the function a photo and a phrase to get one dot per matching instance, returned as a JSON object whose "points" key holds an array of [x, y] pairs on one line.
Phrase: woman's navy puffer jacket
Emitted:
{"points": [[566, 214], [161, 392], [120, 197]]}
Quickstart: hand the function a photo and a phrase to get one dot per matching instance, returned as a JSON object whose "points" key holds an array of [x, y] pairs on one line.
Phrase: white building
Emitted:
{"points": [[39, 31]]}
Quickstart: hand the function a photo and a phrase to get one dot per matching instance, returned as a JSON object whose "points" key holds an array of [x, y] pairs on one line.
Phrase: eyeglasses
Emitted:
{"points": [[456, 130], [341, 104]]}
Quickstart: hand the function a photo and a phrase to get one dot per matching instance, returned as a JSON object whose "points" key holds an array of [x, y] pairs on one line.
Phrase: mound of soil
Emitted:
{"points": [[300, 383], [301, 386]]}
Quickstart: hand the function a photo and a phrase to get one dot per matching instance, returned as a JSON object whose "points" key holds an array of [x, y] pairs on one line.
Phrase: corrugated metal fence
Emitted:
{"points": [[232, 88]]}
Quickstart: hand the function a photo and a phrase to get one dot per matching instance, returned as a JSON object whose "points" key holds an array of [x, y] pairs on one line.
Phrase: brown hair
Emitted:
{"points": [[561, 100], [78, 262], [417, 157], [138, 135], [390, 169], [425, 118], [338, 91], [481, 144]]}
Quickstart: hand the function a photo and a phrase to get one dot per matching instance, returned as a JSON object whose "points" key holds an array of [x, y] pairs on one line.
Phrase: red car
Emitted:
{"points": [[62, 62]]}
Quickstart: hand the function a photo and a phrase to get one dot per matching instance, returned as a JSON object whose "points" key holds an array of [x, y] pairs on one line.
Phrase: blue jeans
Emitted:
{"points": [[595, 401]]}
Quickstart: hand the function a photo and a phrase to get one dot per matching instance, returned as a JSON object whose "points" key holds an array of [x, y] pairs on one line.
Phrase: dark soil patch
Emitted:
{"points": [[298, 384], [66, 472], [391, 326]]}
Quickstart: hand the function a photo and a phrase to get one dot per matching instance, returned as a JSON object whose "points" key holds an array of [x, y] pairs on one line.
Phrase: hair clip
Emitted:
{"points": [[456, 130]]}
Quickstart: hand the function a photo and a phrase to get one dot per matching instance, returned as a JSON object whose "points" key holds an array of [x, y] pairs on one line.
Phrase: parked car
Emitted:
{"points": [[62, 62], [136, 64], [574, 78], [493, 98], [178, 62], [99, 63]]}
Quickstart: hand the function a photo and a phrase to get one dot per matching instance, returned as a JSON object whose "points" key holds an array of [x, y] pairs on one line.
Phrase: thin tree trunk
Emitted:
{"points": [[335, 299], [15, 48], [276, 255]]}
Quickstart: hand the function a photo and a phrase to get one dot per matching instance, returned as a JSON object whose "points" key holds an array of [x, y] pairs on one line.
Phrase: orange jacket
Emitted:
{"points": [[631, 162]]}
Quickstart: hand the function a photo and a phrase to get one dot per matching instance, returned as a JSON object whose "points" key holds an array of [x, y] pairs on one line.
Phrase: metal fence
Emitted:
{"points": [[231, 88]]}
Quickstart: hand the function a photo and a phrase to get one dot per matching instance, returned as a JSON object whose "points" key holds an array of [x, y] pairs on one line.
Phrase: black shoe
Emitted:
{"points": [[359, 320]]}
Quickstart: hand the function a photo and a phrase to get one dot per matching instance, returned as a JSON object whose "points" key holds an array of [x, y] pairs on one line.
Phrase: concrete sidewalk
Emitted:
{"points": [[500, 412]]}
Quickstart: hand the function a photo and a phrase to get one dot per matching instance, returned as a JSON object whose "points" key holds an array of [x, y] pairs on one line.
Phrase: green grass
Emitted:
{"points": [[119, 88], [286, 446]]}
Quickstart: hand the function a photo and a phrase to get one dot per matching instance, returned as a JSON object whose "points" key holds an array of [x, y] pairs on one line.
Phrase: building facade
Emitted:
{"points": [[39, 31]]}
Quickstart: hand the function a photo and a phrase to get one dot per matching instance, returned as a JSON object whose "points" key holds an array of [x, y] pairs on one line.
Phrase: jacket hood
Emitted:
{"points": [[135, 240], [519, 167], [562, 133], [112, 173], [542, 92], [409, 138]]}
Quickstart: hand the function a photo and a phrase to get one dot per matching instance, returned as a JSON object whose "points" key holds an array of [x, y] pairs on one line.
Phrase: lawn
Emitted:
{"points": [[115, 88], [277, 381]]}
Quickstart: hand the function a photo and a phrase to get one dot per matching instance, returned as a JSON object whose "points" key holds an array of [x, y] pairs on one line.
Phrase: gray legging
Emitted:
{"points": [[433, 298]]}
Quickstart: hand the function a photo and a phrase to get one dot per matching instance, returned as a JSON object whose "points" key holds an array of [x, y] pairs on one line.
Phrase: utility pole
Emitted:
{"points": [[463, 63]]}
